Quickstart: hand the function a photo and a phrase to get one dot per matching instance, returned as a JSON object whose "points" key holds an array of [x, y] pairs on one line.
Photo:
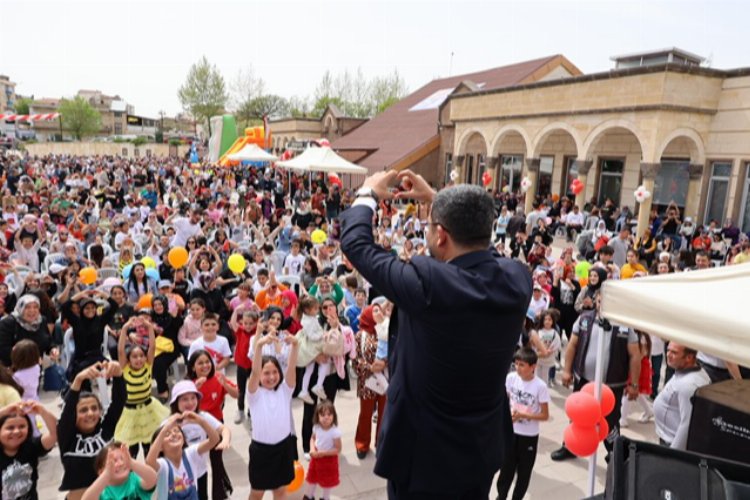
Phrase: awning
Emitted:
{"points": [[252, 152], [703, 310]]}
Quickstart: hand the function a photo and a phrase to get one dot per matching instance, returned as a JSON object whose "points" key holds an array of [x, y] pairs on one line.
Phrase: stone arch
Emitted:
{"points": [[697, 153], [507, 129], [600, 130], [465, 139], [547, 130]]}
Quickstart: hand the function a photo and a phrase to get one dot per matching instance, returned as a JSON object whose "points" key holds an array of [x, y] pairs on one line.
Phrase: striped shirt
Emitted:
{"points": [[138, 384]]}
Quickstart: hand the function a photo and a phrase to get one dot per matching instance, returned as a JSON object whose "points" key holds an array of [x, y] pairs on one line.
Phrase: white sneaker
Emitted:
{"points": [[307, 457], [320, 392], [239, 417], [305, 396]]}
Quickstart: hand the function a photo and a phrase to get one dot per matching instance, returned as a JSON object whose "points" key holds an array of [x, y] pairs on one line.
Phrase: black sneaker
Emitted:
{"points": [[561, 454], [361, 455]]}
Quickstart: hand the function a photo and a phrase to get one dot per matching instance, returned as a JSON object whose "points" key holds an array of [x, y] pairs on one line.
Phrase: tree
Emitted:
{"points": [[270, 105], [357, 96], [299, 107], [22, 106], [245, 87], [80, 117], [203, 94], [387, 90]]}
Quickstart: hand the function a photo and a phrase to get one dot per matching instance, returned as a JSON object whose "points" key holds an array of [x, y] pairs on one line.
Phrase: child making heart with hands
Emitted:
{"points": [[20, 450], [120, 476]]}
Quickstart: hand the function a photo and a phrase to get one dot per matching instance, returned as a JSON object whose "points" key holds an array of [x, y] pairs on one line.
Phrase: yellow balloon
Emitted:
{"points": [[318, 236], [148, 263], [236, 263]]}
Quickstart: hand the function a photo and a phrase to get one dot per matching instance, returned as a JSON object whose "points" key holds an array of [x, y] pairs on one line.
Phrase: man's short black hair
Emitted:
{"points": [[466, 212], [606, 250]]}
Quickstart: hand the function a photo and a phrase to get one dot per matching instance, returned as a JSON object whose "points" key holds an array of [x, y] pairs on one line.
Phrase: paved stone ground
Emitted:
{"points": [[563, 480], [566, 480]]}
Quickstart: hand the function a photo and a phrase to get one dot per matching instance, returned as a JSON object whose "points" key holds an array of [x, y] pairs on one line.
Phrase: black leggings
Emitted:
{"points": [[242, 376], [134, 450], [162, 362], [519, 460], [220, 482]]}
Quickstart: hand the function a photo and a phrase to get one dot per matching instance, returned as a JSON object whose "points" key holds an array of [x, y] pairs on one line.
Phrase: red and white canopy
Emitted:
{"points": [[29, 118]]}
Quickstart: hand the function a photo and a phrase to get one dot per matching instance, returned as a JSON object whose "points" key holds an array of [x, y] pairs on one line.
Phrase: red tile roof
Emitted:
{"points": [[397, 132]]}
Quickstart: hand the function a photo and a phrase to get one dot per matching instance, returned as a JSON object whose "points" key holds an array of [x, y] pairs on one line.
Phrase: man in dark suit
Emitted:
{"points": [[458, 317]]}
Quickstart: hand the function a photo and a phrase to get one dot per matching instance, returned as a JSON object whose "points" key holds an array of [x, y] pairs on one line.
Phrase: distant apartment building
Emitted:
{"points": [[7, 94]]}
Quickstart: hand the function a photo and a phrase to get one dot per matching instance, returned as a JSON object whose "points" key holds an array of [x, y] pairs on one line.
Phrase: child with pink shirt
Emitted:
{"points": [[191, 327]]}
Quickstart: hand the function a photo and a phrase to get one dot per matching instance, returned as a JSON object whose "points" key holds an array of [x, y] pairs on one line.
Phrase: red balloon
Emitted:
{"points": [[581, 441], [486, 178], [577, 188], [603, 429], [583, 409], [575, 182], [607, 402]]}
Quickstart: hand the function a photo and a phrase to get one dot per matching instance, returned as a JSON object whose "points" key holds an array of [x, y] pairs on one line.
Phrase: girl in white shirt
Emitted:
{"points": [[269, 398]]}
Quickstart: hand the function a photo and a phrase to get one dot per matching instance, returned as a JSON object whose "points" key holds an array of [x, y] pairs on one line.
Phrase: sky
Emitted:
{"points": [[142, 50]]}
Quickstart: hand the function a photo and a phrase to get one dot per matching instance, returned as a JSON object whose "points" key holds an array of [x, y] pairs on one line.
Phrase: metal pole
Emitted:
{"points": [[598, 375]]}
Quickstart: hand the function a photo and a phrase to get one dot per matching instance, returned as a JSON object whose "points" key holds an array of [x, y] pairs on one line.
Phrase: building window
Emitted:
{"points": [[570, 174], [481, 167], [148, 153], [544, 183], [124, 151], [745, 214], [136, 152], [469, 169], [510, 176], [610, 181], [448, 167], [718, 188], [671, 184]]}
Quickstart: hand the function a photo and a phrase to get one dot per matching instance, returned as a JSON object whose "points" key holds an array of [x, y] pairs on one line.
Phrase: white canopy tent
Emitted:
{"points": [[702, 310], [252, 152], [322, 160]]}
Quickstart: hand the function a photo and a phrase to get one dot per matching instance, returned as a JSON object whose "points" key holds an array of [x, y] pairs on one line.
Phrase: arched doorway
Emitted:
{"points": [[511, 148], [557, 150], [475, 158], [616, 153]]}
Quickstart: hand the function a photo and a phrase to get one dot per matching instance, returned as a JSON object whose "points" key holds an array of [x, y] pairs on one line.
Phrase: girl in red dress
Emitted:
{"points": [[325, 447]]}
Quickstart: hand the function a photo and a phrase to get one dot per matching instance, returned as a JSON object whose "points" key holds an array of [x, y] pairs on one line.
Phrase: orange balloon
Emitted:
{"points": [[583, 282], [87, 275], [177, 257], [145, 301], [299, 478]]}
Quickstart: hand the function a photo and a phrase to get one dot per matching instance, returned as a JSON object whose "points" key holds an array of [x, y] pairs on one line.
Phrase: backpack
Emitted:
{"points": [[333, 343]]}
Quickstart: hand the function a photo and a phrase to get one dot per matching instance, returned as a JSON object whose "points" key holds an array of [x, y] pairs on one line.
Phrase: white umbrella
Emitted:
{"points": [[251, 152], [322, 160]]}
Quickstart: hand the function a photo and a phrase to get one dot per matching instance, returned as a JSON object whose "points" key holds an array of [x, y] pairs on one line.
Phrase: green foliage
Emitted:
{"points": [[140, 140], [357, 96], [203, 94], [79, 117], [22, 106], [270, 105], [159, 137], [174, 142], [119, 140]]}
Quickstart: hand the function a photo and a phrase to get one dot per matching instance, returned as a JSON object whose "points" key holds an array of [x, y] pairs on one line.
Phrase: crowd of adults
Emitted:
{"points": [[123, 216]]}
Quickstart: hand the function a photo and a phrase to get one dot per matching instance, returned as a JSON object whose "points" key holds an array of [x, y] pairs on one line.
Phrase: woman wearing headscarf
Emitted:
{"points": [[167, 326], [26, 322], [88, 329], [587, 295], [369, 401]]}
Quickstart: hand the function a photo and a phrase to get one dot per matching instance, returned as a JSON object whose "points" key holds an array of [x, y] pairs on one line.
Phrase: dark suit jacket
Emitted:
{"points": [[447, 418]]}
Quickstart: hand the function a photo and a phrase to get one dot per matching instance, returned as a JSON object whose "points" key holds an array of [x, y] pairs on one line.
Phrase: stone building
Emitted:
{"points": [[659, 119], [294, 133], [7, 94]]}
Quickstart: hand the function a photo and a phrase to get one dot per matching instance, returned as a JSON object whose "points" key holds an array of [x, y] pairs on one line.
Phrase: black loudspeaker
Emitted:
{"points": [[647, 471], [720, 422]]}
